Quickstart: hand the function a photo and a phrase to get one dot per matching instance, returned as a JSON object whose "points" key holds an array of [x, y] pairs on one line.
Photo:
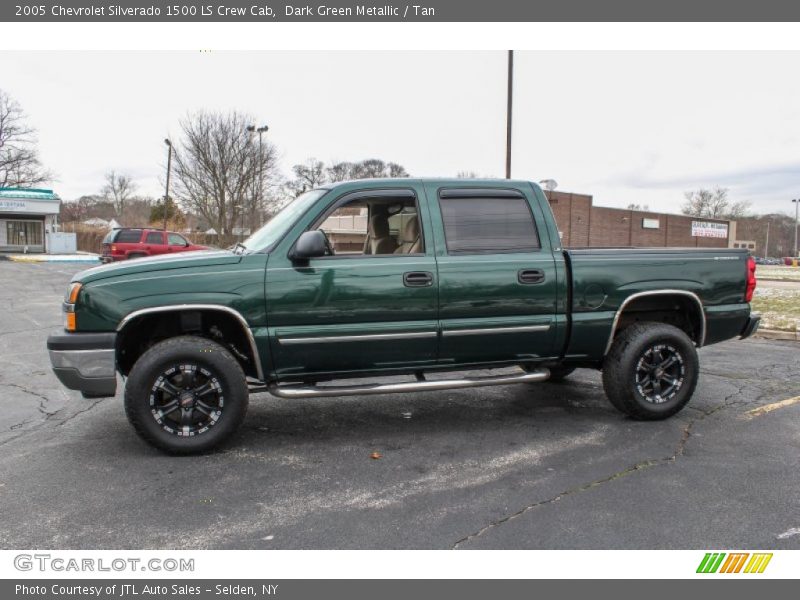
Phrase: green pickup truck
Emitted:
{"points": [[426, 279]]}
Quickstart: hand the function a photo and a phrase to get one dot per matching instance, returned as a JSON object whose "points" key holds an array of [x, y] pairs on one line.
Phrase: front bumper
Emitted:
{"points": [[751, 326], [85, 362]]}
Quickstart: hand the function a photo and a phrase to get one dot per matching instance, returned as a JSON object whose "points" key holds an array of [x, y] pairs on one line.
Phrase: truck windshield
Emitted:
{"points": [[278, 225]]}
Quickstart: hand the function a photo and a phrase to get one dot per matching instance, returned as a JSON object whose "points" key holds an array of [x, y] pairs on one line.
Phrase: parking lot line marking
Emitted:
{"points": [[762, 410]]}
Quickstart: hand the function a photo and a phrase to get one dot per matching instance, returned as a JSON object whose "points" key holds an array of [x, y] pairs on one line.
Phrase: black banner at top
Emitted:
{"points": [[419, 11]]}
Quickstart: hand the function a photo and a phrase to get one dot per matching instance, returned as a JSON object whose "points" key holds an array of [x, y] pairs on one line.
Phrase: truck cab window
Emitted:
{"points": [[488, 225], [375, 227]]}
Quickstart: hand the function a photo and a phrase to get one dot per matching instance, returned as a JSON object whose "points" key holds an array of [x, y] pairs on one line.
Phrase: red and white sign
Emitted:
{"points": [[708, 229]]}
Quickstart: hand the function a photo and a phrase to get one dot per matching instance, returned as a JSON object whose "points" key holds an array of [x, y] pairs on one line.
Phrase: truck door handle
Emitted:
{"points": [[417, 279], [528, 276]]}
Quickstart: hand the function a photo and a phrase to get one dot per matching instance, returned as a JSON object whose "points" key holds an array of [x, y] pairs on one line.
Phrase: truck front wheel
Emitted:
{"points": [[651, 371], [186, 395]]}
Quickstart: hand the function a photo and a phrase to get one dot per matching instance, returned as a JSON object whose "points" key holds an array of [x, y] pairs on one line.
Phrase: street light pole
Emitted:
{"points": [[166, 191], [796, 206], [510, 99], [261, 130], [241, 221], [259, 181], [251, 130]]}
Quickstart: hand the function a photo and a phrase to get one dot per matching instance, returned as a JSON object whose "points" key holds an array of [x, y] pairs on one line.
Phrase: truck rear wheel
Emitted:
{"points": [[186, 395], [651, 371]]}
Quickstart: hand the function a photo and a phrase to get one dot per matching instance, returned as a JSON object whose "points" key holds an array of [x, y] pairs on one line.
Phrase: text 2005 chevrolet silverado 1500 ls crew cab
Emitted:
{"points": [[371, 278]]}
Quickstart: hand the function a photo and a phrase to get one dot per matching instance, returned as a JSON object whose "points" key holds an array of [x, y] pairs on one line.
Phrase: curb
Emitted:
{"points": [[40, 259], [787, 280], [777, 334]]}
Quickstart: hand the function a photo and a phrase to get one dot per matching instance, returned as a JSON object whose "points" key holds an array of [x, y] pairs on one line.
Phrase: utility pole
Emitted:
{"points": [[166, 192], [508, 111], [796, 206], [766, 244]]}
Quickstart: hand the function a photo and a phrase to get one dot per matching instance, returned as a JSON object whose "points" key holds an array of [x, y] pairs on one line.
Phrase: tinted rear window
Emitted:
{"points": [[155, 237], [488, 225], [128, 236]]}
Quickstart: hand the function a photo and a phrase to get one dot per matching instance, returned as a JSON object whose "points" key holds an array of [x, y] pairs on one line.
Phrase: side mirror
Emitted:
{"points": [[311, 244]]}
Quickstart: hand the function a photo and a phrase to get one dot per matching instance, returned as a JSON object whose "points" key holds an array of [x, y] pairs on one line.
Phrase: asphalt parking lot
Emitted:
{"points": [[523, 466]]}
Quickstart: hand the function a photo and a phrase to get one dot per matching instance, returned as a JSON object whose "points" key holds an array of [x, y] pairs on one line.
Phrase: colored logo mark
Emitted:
{"points": [[734, 562]]}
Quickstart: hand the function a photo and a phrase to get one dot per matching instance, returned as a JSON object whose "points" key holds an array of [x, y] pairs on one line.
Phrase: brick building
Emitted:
{"points": [[583, 224]]}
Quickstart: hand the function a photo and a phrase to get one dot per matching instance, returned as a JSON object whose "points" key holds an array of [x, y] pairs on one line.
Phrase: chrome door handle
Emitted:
{"points": [[418, 279], [529, 276]]}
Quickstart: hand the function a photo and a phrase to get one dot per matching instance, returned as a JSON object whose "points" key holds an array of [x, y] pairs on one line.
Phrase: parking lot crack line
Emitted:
{"points": [[80, 412], [42, 399], [680, 448], [42, 408]]}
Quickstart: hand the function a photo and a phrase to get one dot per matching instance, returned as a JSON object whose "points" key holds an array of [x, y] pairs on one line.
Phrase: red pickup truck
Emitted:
{"points": [[124, 243]]}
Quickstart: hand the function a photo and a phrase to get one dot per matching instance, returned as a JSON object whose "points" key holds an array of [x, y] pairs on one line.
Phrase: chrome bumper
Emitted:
{"points": [[85, 362], [751, 326]]}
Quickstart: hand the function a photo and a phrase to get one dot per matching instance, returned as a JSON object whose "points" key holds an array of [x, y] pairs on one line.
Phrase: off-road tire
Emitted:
{"points": [[134, 255], [225, 376], [630, 356]]}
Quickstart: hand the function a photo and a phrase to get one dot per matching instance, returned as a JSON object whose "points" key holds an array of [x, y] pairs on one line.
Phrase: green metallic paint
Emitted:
{"points": [[350, 296], [110, 293], [339, 296], [481, 291], [726, 321]]}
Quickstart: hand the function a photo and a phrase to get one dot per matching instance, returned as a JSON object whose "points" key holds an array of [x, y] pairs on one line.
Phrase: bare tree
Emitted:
{"points": [[308, 175], [636, 206], [19, 157], [467, 175], [713, 204], [339, 171], [737, 209], [221, 174], [371, 168], [118, 189], [396, 170], [314, 173]]}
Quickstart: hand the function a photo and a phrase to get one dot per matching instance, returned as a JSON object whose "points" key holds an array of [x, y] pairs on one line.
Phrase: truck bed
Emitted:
{"points": [[603, 280]]}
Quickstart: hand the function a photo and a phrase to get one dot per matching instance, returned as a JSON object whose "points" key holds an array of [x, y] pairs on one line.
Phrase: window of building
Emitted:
{"points": [[24, 233], [488, 225], [650, 223], [154, 237]]}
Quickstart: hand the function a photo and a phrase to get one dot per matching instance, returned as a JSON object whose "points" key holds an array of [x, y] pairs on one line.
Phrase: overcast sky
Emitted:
{"points": [[626, 127]]}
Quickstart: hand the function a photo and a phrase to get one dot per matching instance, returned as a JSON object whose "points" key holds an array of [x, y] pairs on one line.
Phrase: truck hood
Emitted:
{"points": [[163, 262]]}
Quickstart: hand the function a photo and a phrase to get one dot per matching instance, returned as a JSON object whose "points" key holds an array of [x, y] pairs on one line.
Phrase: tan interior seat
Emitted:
{"points": [[379, 240], [410, 239]]}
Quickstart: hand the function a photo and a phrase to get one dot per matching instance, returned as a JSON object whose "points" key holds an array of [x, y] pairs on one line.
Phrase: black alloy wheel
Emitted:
{"points": [[186, 400], [660, 373]]}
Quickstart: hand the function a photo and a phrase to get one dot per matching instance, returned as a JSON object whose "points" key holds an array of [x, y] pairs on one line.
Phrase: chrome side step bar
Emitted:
{"points": [[421, 385]]}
